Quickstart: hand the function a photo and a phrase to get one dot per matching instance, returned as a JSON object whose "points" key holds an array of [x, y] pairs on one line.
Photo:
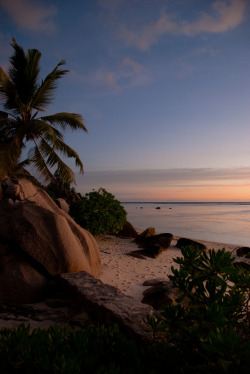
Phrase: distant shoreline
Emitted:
{"points": [[188, 202]]}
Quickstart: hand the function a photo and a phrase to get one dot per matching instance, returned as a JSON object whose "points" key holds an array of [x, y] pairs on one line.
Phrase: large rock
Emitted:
{"points": [[33, 226], [150, 231], [128, 231], [62, 204], [184, 242], [154, 245], [159, 294], [20, 281], [243, 252]]}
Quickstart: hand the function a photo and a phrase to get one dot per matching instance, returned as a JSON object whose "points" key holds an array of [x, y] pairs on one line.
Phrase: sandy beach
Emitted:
{"points": [[128, 273]]}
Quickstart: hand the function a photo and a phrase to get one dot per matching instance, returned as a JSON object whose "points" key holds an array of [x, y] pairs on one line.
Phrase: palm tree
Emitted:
{"points": [[23, 99]]}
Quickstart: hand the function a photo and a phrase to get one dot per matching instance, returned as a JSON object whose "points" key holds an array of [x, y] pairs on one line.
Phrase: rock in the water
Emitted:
{"points": [[33, 226], [243, 251], [128, 231], [183, 242], [62, 204]]}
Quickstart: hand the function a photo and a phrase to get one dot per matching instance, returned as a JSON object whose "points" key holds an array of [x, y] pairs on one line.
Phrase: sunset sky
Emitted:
{"points": [[163, 86]]}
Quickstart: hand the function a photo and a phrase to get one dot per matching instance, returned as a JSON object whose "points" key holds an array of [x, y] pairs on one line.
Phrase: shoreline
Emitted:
{"points": [[128, 273]]}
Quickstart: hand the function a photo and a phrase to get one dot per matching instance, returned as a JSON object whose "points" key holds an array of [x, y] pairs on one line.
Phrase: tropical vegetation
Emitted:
{"points": [[24, 97], [99, 212], [210, 324]]}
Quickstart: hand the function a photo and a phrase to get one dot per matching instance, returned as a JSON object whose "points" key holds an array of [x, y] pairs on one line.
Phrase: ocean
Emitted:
{"points": [[218, 222]]}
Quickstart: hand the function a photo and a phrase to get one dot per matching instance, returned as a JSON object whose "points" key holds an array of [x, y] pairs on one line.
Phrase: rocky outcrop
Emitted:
{"points": [[160, 292], [128, 231], [61, 203], [184, 242], [36, 234], [153, 245], [243, 252], [150, 231], [107, 305]]}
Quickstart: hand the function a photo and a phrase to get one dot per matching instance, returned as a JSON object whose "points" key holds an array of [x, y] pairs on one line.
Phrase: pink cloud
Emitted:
{"points": [[224, 16], [32, 16], [129, 73]]}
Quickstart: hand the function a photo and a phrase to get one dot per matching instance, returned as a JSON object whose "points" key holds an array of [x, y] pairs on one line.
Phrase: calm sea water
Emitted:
{"points": [[218, 222]]}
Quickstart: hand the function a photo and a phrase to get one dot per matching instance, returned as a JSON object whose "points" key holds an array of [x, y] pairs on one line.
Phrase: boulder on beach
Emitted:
{"points": [[159, 294], [243, 252], [184, 242], [128, 231], [35, 233], [150, 231], [154, 245]]}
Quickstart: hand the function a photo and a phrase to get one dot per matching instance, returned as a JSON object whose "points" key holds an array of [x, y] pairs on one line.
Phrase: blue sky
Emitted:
{"points": [[164, 87]]}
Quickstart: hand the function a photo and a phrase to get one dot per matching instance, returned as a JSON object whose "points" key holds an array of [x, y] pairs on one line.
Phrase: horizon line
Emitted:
{"points": [[185, 202]]}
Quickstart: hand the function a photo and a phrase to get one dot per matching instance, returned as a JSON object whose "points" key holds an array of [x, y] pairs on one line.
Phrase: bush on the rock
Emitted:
{"points": [[99, 212]]}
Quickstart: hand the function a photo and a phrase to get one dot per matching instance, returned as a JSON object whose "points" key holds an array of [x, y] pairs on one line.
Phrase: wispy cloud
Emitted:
{"points": [[177, 184], [129, 73], [173, 177], [223, 17], [30, 15]]}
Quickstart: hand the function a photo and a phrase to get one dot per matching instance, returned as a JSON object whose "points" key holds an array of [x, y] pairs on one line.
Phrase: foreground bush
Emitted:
{"points": [[90, 351], [99, 212], [209, 325]]}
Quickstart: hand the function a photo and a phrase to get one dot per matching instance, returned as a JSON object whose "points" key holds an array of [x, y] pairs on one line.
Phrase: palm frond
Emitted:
{"points": [[23, 98], [37, 128], [8, 128], [64, 172], [69, 152], [39, 162], [72, 120], [9, 154], [44, 93], [24, 72], [8, 92]]}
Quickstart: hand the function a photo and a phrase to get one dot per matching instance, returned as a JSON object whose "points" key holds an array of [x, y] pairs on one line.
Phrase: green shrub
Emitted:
{"points": [[209, 325], [99, 212], [90, 351]]}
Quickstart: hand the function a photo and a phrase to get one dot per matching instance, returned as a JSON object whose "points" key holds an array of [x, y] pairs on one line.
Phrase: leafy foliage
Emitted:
{"points": [[99, 212], [95, 351], [209, 325], [58, 188], [23, 97]]}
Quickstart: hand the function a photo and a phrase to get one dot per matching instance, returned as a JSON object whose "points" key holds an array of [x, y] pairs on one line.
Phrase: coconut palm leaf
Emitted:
{"points": [[38, 161], [24, 72], [61, 146], [53, 160], [9, 154], [7, 90], [72, 120], [44, 94], [23, 96]]}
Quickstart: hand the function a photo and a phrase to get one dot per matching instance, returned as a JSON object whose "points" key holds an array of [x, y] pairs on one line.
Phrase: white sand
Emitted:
{"points": [[128, 273]]}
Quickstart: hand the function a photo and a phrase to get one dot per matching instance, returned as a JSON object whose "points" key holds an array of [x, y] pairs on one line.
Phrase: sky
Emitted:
{"points": [[163, 86]]}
